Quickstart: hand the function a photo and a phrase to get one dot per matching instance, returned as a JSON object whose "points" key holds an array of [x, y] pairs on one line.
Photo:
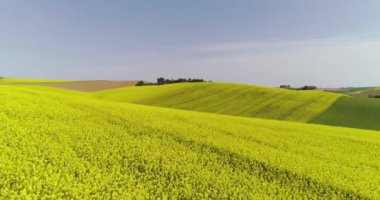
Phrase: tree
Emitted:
{"points": [[308, 87], [160, 81], [140, 83], [285, 87]]}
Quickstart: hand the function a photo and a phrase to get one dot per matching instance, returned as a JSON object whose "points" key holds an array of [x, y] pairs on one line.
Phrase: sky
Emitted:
{"points": [[328, 43]]}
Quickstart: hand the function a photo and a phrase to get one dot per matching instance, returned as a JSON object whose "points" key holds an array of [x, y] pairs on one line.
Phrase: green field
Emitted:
{"points": [[259, 102], [230, 99], [62, 144], [357, 112]]}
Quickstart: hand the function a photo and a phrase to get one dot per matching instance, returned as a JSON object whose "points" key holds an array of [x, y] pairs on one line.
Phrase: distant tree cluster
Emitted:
{"points": [[140, 83], [285, 87], [306, 87], [164, 81], [144, 83]]}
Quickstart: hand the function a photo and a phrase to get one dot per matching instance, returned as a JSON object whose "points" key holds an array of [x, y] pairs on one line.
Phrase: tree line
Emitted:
{"points": [[164, 81], [306, 87]]}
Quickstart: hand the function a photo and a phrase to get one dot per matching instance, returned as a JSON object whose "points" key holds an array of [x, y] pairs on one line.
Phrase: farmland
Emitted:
{"points": [[368, 93], [24, 80], [357, 112], [84, 86], [360, 91], [62, 144], [354, 90], [259, 102], [135, 100], [230, 99]]}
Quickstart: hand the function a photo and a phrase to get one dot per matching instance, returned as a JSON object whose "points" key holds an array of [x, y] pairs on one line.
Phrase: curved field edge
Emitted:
{"points": [[230, 99], [69, 146]]}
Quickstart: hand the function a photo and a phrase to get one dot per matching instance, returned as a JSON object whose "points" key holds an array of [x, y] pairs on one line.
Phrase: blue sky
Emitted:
{"points": [[327, 43]]}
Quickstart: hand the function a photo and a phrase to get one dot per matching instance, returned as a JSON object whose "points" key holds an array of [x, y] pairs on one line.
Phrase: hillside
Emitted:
{"points": [[24, 80], [356, 112], [62, 144], [230, 99], [85, 86], [259, 102], [360, 91], [370, 92]]}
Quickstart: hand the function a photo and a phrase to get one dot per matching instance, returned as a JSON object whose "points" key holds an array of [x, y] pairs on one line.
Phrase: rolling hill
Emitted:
{"points": [[25, 80], [360, 91], [259, 102], [356, 112], [353, 90], [370, 92], [230, 99], [63, 144], [85, 86]]}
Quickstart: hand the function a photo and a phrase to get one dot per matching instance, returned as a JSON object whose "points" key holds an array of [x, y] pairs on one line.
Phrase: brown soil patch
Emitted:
{"points": [[88, 86]]}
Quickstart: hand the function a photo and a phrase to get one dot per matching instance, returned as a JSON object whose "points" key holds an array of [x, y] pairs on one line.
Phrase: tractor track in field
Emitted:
{"points": [[200, 97], [185, 91], [299, 107]]}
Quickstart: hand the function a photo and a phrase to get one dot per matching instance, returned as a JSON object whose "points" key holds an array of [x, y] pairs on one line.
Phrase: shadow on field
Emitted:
{"points": [[354, 112]]}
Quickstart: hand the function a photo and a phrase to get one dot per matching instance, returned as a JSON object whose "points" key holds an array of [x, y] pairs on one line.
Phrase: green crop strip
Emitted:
{"points": [[355, 112]]}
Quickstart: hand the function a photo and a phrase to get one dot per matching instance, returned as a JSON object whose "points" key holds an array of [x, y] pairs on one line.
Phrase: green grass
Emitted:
{"points": [[231, 99], [62, 144], [258, 102]]}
